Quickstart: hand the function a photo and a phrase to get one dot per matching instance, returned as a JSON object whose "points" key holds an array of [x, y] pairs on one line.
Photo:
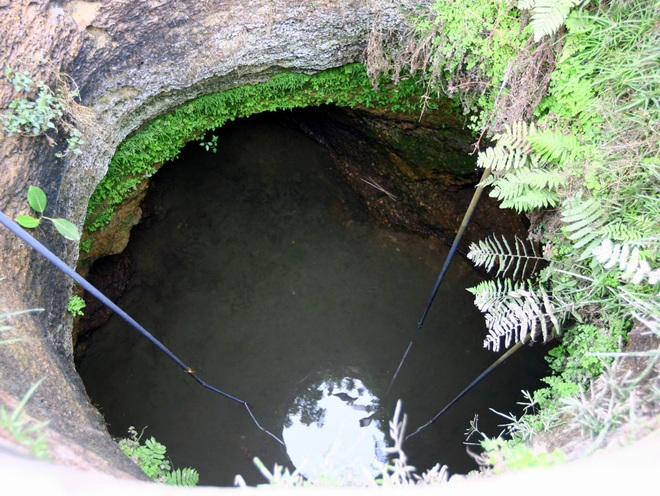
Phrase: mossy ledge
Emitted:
{"points": [[139, 155]]}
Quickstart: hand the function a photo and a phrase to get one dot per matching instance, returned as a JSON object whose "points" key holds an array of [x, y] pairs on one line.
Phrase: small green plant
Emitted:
{"points": [[150, 457], [23, 430], [503, 455], [38, 201], [210, 145], [75, 305], [42, 110], [86, 245]]}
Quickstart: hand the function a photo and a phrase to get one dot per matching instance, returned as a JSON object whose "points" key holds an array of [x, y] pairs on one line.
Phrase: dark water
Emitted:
{"points": [[261, 270]]}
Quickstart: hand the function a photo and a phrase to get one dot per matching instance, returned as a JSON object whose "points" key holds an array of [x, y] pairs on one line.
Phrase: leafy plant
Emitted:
{"points": [[75, 305], [524, 176], [161, 140], [516, 262], [210, 145], [516, 312], [548, 15], [150, 457], [38, 201], [43, 110], [22, 429]]}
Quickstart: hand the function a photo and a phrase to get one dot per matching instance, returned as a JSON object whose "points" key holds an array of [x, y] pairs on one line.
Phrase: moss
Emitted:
{"points": [[162, 139]]}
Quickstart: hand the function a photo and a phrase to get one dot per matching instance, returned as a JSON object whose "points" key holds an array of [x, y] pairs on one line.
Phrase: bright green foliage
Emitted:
{"points": [[573, 361], [38, 201], [23, 430], [162, 139], [503, 456], [85, 245], [150, 457], [41, 112], [76, 305], [547, 15], [472, 48], [211, 145], [600, 135], [524, 166]]}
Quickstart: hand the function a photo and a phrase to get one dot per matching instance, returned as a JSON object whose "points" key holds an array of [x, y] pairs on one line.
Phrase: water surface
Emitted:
{"points": [[260, 269]]}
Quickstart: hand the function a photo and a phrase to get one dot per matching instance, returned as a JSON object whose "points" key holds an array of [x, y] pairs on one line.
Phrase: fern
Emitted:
{"points": [[554, 146], [511, 149], [501, 159], [515, 313], [491, 251], [526, 189], [519, 177], [547, 15], [618, 230], [584, 218], [634, 269], [516, 136], [188, 477], [151, 458]]}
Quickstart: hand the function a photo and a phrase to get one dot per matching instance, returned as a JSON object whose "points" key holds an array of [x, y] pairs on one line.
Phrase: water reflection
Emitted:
{"points": [[331, 432]]}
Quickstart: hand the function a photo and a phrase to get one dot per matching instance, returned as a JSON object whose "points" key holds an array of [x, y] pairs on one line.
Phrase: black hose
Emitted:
{"points": [[454, 246], [59, 263], [481, 377]]}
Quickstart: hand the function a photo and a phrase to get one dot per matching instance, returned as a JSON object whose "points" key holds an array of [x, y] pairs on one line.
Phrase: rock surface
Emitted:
{"points": [[132, 62]]}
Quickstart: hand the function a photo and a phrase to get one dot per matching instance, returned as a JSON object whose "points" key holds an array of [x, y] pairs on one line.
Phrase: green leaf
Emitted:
{"points": [[37, 199], [66, 229], [27, 221]]}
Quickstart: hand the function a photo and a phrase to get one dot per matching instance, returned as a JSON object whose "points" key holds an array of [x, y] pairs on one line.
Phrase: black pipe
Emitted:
{"points": [[496, 364], [59, 263], [454, 246]]}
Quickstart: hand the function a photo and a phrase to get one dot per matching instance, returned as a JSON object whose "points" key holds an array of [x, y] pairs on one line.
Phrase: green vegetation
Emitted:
{"points": [[570, 104], [593, 154], [161, 140], [38, 201], [20, 428], [75, 305], [44, 111], [211, 145], [150, 457]]}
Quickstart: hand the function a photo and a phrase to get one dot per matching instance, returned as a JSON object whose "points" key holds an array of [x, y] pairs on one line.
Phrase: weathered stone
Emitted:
{"points": [[132, 62], [411, 174]]}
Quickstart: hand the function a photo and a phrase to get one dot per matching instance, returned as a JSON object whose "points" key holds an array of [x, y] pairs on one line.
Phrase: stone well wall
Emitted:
{"points": [[132, 61]]}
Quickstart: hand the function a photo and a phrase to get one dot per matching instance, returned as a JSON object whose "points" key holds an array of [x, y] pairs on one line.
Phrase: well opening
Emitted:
{"points": [[262, 266]]}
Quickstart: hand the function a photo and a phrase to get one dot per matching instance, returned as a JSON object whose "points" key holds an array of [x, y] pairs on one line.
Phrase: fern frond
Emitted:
{"points": [[584, 218], [618, 230], [491, 251], [634, 269], [511, 149], [549, 15], [516, 137], [527, 189], [187, 477], [515, 313], [501, 159], [526, 4], [554, 146]]}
